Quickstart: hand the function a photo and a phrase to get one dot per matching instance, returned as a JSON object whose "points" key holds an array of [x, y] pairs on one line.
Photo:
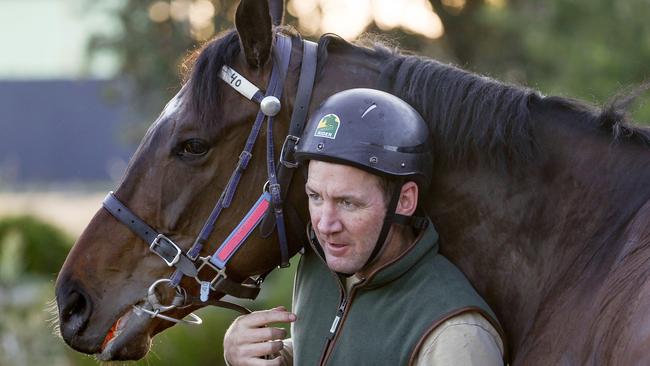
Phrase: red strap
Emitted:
{"points": [[238, 236]]}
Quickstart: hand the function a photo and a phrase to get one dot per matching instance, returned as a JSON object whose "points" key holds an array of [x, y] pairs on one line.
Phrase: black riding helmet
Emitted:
{"points": [[371, 130], [374, 131]]}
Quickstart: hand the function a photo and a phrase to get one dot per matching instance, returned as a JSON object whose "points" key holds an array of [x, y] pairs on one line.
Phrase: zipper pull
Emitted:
{"points": [[337, 319]]}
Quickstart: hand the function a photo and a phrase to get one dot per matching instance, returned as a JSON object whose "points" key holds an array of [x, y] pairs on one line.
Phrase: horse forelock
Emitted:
{"points": [[202, 68], [201, 73]]}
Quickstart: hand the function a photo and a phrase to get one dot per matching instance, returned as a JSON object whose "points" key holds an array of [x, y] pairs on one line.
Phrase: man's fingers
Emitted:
{"points": [[249, 337], [277, 361], [256, 335], [261, 349], [262, 318]]}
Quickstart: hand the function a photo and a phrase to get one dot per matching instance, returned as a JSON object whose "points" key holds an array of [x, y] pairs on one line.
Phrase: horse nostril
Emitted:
{"points": [[75, 311], [76, 304]]}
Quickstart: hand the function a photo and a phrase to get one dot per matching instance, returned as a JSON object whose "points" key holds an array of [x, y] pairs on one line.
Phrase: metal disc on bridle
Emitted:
{"points": [[270, 106]]}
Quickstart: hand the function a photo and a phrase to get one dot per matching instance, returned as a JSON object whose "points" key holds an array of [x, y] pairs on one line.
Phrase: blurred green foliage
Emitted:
{"points": [[587, 49], [31, 253], [31, 246]]}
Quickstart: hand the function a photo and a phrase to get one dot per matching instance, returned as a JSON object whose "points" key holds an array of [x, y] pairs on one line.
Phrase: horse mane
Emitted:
{"points": [[476, 118], [615, 119], [469, 116]]}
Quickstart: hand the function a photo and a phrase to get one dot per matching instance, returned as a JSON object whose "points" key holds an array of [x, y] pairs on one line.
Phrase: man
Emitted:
{"points": [[371, 288]]}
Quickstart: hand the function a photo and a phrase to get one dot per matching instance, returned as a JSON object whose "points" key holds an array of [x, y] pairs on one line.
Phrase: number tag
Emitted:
{"points": [[238, 82]]}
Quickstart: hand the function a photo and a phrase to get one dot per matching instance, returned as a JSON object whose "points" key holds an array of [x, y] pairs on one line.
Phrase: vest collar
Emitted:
{"points": [[426, 243]]}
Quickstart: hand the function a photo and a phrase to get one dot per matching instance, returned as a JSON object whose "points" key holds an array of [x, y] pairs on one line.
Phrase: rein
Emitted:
{"points": [[268, 209]]}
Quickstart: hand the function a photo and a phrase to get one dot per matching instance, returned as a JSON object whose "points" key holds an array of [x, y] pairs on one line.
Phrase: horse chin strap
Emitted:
{"points": [[269, 205]]}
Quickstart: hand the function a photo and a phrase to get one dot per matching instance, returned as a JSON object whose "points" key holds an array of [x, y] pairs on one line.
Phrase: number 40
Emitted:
{"points": [[235, 80]]}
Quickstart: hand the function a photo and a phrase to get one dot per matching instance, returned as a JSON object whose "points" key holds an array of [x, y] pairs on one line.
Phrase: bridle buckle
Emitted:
{"points": [[156, 243], [284, 153]]}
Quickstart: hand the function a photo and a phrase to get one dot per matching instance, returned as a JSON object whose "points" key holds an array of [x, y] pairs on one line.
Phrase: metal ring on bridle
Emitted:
{"points": [[179, 297], [196, 320]]}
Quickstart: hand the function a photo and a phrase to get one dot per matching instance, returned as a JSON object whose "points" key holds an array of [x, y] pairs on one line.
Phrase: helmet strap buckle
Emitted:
{"points": [[288, 148]]}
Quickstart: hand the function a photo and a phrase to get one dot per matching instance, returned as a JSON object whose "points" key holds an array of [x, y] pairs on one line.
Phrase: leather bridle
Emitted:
{"points": [[267, 211]]}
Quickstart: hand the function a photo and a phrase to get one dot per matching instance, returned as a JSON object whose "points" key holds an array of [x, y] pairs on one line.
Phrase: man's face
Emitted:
{"points": [[347, 209]]}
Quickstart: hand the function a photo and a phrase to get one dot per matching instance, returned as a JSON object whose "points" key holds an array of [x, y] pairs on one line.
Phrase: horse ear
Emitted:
{"points": [[253, 23]]}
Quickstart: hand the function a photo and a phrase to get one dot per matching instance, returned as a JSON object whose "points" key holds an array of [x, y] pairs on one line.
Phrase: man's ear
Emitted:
{"points": [[408, 199], [253, 23]]}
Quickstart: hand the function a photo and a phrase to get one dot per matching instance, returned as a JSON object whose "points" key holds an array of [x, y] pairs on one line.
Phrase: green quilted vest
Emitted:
{"points": [[384, 317]]}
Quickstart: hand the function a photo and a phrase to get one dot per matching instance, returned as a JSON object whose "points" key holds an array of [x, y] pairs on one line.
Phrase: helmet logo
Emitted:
{"points": [[328, 126]]}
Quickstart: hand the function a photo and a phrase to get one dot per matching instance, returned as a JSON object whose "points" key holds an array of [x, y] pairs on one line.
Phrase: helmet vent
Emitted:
{"points": [[373, 106]]}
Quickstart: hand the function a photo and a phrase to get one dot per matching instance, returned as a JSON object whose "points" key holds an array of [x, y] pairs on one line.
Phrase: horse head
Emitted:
{"points": [[165, 203], [182, 166]]}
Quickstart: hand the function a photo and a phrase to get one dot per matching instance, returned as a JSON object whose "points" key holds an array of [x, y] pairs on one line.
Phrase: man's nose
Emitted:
{"points": [[329, 222]]}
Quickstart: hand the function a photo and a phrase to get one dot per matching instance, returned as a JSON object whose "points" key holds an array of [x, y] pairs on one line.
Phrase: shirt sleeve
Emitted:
{"points": [[467, 339]]}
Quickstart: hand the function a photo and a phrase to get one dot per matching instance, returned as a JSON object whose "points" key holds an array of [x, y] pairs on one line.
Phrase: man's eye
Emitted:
{"points": [[347, 204], [313, 196]]}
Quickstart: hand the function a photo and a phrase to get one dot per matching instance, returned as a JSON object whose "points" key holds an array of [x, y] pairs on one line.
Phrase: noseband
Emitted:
{"points": [[268, 209]]}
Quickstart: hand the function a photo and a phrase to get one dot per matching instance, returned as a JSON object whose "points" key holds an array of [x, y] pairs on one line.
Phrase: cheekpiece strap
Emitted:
{"points": [[279, 69]]}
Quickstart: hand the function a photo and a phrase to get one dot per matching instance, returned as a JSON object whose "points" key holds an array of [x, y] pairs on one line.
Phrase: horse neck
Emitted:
{"points": [[525, 240]]}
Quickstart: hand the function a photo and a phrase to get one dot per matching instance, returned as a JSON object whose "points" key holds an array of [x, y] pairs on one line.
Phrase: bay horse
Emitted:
{"points": [[541, 201]]}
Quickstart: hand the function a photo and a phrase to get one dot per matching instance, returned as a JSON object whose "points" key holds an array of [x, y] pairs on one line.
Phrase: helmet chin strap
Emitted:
{"points": [[389, 218], [417, 222]]}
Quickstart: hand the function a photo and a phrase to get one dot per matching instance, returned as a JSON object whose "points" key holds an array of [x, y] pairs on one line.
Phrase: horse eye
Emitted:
{"points": [[194, 147]]}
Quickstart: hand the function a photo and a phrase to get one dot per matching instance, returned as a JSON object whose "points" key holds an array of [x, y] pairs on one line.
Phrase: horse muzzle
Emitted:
{"points": [[75, 308], [82, 331]]}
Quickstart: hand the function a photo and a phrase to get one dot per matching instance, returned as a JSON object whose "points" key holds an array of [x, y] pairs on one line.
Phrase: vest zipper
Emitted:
{"points": [[341, 313], [337, 319]]}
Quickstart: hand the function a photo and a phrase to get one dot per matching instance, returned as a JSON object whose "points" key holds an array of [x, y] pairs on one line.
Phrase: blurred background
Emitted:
{"points": [[81, 80]]}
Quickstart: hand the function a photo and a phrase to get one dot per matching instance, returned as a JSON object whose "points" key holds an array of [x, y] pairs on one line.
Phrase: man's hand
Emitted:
{"points": [[249, 337]]}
